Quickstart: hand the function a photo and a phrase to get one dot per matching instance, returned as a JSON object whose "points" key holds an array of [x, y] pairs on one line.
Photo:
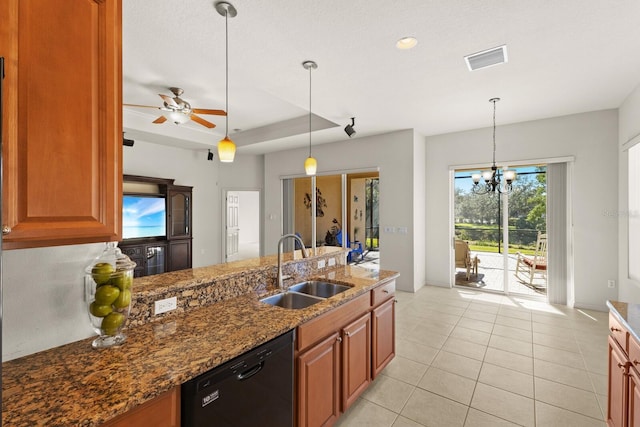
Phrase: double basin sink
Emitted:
{"points": [[304, 294]]}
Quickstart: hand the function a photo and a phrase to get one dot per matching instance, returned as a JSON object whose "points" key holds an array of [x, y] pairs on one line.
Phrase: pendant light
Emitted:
{"points": [[226, 147], [492, 183], [311, 164]]}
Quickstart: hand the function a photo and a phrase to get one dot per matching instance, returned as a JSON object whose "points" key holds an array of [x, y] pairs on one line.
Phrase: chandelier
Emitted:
{"points": [[492, 183]]}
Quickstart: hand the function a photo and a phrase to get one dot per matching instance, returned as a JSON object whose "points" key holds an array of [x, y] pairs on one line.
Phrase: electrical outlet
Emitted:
{"points": [[332, 262], [389, 229], [611, 283], [164, 305], [321, 263]]}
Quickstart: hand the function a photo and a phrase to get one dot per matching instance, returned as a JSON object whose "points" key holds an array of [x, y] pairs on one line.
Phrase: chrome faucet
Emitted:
{"points": [[282, 239]]}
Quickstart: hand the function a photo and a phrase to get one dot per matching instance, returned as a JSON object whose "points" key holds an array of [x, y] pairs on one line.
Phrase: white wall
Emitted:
{"points": [[591, 138], [43, 289], [392, 153], [628, 128]]}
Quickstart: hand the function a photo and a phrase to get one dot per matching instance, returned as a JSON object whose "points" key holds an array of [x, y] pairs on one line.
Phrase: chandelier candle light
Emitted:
{"points": [[491, 178], [226, 147], [311, 164]]}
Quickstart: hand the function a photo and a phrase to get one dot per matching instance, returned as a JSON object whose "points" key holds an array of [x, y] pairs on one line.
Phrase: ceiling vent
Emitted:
{"points": [[487, 58]]}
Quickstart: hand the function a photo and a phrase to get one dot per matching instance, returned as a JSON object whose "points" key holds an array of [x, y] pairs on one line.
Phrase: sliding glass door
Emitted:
{"points": [[496, 234]]}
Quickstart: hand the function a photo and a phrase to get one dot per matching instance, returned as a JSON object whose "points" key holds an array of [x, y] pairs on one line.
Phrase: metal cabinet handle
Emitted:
{"points": [[5, 230], [615, 329], [348, 334], [635, 362], [339, 339], [385, 291]]}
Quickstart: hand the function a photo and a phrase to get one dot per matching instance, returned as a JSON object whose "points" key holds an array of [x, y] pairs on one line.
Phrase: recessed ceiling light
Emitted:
{"points": [[406, 43]]}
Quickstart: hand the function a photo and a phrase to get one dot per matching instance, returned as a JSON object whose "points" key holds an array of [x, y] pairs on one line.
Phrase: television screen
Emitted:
{"points": [[143, 216]]}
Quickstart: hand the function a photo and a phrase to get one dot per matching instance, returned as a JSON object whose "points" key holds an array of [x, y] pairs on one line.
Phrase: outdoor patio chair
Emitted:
{"points": [[530, 267], [356, 251], [464, 258]]}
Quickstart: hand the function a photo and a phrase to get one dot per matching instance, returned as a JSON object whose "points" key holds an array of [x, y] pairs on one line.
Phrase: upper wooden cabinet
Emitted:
{"points": [[62, 122]]}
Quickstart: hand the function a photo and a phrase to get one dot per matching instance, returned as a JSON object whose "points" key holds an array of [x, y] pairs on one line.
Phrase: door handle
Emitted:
{"points": [[251, 372]]}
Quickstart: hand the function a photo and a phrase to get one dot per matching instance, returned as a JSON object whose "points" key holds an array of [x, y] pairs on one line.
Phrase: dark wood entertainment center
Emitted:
{"points": [[154, 255]]}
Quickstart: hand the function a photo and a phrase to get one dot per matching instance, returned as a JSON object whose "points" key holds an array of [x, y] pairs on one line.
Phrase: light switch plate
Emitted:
{"points": [[164, 305]]}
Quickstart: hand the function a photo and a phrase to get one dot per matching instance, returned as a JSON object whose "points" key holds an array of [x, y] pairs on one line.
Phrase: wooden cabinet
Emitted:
{"points": [[356, 359], [62, 122], [384, 336], [623, 408], [163, 411], [318, 383], [339, 352], [168, 252]]}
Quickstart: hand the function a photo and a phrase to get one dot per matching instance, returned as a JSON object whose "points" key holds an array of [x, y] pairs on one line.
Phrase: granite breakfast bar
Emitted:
{"points": [[219, 317]]}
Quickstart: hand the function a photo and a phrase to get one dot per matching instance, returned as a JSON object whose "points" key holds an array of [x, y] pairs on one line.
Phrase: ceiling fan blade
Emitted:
{"points": [[206, 111], [202, 121], [160, 119], [169, 100], [141, 106]]}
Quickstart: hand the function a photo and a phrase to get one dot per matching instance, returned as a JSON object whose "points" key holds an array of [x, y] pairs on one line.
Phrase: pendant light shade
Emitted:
{"points": [[311, 164], [226, 150], [226, 147]]}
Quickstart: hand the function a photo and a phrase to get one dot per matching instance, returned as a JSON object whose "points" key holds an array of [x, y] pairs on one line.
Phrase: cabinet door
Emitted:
{"points": [[356, 359], [179, 213], [633, 415], [62, 122], [384, 340], [318, 383], [163, 411], [179, 254], [617, 387]]}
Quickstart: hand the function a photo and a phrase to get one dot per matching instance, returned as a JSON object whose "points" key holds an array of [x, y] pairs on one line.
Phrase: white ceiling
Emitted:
{"points": [[565, 57]]}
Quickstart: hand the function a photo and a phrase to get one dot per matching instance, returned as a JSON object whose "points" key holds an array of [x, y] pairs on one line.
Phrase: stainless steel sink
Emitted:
{"points": [[319, 288], [292, 300]]}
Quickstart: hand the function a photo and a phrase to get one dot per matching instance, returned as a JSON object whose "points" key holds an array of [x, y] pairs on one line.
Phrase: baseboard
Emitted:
{"points": [[595, 307]]}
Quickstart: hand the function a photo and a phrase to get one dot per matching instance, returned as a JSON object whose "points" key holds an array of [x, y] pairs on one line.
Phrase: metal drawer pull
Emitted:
{"points": [[615, 329], [385, 291], [339, 339], [6, 230]]}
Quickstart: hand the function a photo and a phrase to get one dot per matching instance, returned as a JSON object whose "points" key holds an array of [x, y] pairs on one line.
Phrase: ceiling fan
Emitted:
{"points": [[179, 111]]}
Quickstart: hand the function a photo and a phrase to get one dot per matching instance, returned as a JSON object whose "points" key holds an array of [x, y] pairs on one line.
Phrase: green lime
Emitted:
{"points": [[101, 272], [100, 310], [106, 295], [112, 322], [122, 281], [123, 300]]}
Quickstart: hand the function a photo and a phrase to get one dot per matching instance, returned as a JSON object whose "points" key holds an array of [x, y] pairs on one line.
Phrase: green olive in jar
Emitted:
{"points": [[107, 294], [123, 300], [112, 322], [100, 310], [101, 272]]}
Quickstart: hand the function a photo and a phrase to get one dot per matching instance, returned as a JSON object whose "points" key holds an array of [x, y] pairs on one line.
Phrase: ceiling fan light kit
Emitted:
{"points": [[226, 147]]}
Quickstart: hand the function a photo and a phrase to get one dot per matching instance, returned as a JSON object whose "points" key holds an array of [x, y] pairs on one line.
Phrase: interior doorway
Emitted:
{"points": [[497, 237], [242, 225]]}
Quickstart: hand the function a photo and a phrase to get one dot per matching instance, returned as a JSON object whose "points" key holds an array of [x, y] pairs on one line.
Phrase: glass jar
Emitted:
{"points": [[108, 283]]}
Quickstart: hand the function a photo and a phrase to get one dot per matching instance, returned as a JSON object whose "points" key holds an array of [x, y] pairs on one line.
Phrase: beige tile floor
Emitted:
{"points": [[467, 358]]}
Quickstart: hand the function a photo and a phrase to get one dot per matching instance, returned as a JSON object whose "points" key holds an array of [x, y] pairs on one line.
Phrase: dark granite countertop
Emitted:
{"points": [[75, 385], [628, 314]]}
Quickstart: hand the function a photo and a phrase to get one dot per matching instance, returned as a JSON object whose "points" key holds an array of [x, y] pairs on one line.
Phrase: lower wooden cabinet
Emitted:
{"points": [[384, 336], [319, 383], [163, 411], [340, 352], [623, 408], [618, 386], [356, 359]]}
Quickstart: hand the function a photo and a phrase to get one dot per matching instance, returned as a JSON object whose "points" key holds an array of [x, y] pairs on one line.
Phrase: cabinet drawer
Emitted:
{"points": [[619, 333], [383, 293], [316, 329]]}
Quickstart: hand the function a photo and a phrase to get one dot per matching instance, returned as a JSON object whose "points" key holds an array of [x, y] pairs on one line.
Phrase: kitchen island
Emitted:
{"points": [[219, 317]]}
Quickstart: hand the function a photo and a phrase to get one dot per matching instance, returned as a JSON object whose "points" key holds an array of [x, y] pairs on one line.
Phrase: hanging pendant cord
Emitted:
{"points": [[494, 133], [310, 111], [226, 48]]}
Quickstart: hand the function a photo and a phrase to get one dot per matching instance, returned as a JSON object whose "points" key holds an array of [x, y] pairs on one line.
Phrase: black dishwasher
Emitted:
{"points": [[254, 389]]}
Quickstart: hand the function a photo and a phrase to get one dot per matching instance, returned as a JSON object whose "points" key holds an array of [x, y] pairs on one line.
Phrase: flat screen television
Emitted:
{"points": [[144, 216]]}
